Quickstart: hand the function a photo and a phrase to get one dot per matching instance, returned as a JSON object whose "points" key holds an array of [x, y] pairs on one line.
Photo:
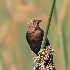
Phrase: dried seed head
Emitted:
{"points": [[46, 59]]}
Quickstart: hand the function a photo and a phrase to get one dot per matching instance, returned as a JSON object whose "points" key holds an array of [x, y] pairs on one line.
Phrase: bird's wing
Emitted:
{"points": [[47, 43]]}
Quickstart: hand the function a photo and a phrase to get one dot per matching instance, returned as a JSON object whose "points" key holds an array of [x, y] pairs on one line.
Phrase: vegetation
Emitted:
{"points": [[15, 53]]}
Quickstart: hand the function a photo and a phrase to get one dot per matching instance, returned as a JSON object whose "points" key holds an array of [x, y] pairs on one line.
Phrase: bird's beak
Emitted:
{"points": [[39, 21]]}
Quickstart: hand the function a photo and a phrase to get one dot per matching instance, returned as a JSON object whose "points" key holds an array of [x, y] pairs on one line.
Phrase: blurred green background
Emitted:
{"points": [[15, 53]]}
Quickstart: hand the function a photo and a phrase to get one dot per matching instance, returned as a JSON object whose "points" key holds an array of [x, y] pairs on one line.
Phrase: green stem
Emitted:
{"points": [[48, 24], [61, 37]]}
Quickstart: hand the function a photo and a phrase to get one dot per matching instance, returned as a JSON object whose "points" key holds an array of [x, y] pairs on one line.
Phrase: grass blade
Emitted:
{"points": [[48, 24], [61, 36]]}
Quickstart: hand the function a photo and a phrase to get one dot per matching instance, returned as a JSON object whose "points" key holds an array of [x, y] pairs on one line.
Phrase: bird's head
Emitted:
{"points": [[33, 25]]}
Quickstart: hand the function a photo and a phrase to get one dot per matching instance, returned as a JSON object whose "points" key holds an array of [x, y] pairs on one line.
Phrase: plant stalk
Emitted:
{"points": [[48, 24], [61, 38]]}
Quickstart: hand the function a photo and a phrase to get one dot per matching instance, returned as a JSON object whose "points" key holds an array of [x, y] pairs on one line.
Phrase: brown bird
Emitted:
{"points": [[35, 35]]}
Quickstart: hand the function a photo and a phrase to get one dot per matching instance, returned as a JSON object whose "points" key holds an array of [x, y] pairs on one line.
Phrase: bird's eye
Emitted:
{"points": [[33, 23]]}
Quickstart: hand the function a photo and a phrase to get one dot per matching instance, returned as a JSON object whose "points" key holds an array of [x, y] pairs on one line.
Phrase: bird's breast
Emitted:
{"points": [[35, 35]]}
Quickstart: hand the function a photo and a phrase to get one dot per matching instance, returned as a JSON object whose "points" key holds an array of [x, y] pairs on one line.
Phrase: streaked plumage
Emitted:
{"points": [[35, 35]]}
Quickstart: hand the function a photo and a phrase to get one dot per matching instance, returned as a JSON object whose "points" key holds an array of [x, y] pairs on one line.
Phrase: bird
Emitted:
{"points": [[34, 36]]}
